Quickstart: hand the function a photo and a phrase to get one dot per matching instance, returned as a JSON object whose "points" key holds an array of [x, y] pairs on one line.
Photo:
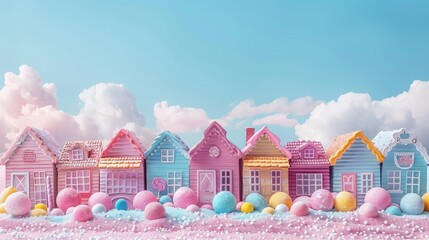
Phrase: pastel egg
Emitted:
{"points": [[168, 204], [143, 198], [322, 199], [164, 199], [393, 210], [193, 208], [268, 210], [6, 193], [2, 208], [154, 210], [379, 197], [247, 208], [18, 204], [98, 208], [68, 197], [38, 212], [184, 197], [207, 206], [102, 198], [257, 200], [121, 204], [238, 206], [299, 209], [41, 206], [426, 201], [368, 210], [411, 203], [82, 213], [56, 212], [282, 208], [345, 201], [70, 210], [305, 199], [280, 197], [224, 202]]}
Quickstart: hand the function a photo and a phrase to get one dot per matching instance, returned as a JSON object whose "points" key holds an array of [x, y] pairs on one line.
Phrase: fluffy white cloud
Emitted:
{"points": [[354, 111], [275, 119]]}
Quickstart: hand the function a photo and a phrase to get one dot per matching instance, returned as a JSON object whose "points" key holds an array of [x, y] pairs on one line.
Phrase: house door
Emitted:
{"points": [[206, 186], [348, 183], [21, 182]]}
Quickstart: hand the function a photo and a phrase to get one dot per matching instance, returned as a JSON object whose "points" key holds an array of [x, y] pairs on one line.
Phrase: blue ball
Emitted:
{"points": [[257, 200], [412, 204], [165, 199], [121, 204], [224, 202], [98, 208], [393, 210]]}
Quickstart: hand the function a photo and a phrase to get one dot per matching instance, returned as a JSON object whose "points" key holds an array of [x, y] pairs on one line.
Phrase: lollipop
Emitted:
{"points": [[158, 184]]}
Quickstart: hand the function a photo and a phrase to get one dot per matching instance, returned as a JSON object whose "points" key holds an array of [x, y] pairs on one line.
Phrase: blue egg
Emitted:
{"points": [[412, 204], [165, 199], [121, 204], [224, 202], [98, 208], [257, 200], [393, 210]]}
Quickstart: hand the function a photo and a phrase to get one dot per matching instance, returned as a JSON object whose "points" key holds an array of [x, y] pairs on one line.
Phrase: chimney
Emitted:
{"points": [[249, 133]]}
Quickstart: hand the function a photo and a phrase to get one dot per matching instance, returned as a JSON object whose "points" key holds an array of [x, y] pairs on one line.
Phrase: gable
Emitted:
{"points": [[265, 147], [168, 140], [28, 152], [123, 146]]}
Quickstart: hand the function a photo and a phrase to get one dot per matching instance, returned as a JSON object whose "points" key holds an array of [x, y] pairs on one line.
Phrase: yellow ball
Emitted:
{"points": [[426, 201], [41, 206], [344, 202], [247, 207], [5, 193], [268, 210], [38, 212], [2, 208], [280, 197]]}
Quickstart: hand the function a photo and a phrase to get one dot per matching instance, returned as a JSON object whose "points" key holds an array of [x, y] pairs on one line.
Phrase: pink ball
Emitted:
{"points": [[68, 197], [143, 198], [238, 207], [378, 196], [322, 199], [82, 213], [184, 197], [168, 204], [70, 210], [304, 199], [193, 208], [18, 204], [100, 197], [154, 210], [368, 210], [56, 212], [299, 209], [207, 206]]}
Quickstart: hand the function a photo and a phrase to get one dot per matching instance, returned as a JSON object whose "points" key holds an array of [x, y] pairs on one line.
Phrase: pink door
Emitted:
{"points": [[21, 182], [348, 183], [206, 186]]}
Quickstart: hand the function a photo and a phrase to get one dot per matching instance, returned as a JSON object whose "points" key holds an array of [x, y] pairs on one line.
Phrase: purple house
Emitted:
{"points": [[215, 165]]}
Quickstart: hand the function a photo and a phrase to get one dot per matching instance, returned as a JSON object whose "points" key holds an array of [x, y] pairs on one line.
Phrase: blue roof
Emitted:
{"points": [[176, 140]]}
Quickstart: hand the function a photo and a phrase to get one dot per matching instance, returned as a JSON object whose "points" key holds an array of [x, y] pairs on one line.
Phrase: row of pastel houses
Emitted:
{"points": [[394, 160]]}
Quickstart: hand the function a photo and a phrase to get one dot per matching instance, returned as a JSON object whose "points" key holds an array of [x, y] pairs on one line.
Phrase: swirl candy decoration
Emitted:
{"points": [[159, 184]]}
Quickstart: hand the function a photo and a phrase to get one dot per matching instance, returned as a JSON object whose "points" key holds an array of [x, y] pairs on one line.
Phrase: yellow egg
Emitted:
{"points": [[2, 208], [426, 201], [344, 202], [280, 197], [41, 206], [38, 212], [247, 207], [5, 193], [268, 210]]}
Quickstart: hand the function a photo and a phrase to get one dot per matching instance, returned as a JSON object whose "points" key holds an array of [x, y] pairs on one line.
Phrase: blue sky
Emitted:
{"points": [[212, 55]]}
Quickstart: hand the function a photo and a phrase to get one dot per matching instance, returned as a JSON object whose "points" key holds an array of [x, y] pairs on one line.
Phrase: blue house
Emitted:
{"points": [[405, 167], [167, 164], [355, 165]]}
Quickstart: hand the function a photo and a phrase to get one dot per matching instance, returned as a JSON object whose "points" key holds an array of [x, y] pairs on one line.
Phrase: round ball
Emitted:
{"points": [[305, 199], [193, 208], [82, 213], [2, 208], [344, 202], [224, 202], [165, 199], [56, 212], [268, 210], [121, 204], [411, 203], [6, 193], [247, 208], [142, 199], [393, 210], [257, 200], [41, 206], [280, 197], [102, 198], [426, 201], [281, 208], [299, 209], [98, 208], [379, 197], [322, 199], [184, 197], [18, 204], [154, 210], [238, 206], [68, 197], [70, 210], [207, 206], [168, 204], [368, 210], [38, 212]]}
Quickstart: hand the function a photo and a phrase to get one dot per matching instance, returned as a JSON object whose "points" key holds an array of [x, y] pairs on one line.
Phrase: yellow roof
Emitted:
{"points": [[120, 162], [266, 162]]}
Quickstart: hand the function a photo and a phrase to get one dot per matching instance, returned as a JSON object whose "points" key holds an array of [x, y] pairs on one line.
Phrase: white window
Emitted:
{"points": [[367, 182], [77, 154], [174, 181], [226, 180], [122, 182], [413, 182], [276, 181], [40, 194], [167, 155], [255, 181], [29, 156], [308, 183], [309, 153], [394, 181], [78, 180]]}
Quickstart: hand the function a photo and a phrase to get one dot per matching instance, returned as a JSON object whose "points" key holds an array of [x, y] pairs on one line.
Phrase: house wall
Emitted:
{"points": [[265, 180], [2, 177], [94, 181], [324, 170]]}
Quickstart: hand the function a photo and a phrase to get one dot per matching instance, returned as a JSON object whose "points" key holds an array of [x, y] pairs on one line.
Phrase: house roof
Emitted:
{"points": [[386, 140], [93, 147], [43, 138], [215, 129], [295, 148], [165, 136], [343, 142], [250, 144]]}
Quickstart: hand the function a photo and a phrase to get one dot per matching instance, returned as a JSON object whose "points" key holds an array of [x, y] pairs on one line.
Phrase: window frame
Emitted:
{"points": [[226, 180], [306, 190], [77, 154], [396, 186], [366, 186], [412, 184], [255, 186], [277, 185], [39, 184], [80, 180], [167, 155], [174, 185]]}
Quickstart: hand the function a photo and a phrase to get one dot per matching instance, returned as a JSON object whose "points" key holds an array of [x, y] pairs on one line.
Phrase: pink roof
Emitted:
{"points": [[93, 147], [136, 142], [295, 148], [43, 138], [273, 138]]}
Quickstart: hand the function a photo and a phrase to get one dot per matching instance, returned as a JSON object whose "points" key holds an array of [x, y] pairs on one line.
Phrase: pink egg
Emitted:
{"points": [[299, 209], [154, 210], [100, 197], [238, 207], [184, 197], [18, 204], [142, 199], [368, 210], [70, 210], [207, 206], [378, 196], [304, 199], [82, 213], [68, 197], [168, 204], [56, 212], [322, 199], [193, 208]]}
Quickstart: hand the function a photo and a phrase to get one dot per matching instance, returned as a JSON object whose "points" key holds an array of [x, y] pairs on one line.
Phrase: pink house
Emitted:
{"points": [[215, 165], [122, 167], [78, 167], [29, 165]]}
